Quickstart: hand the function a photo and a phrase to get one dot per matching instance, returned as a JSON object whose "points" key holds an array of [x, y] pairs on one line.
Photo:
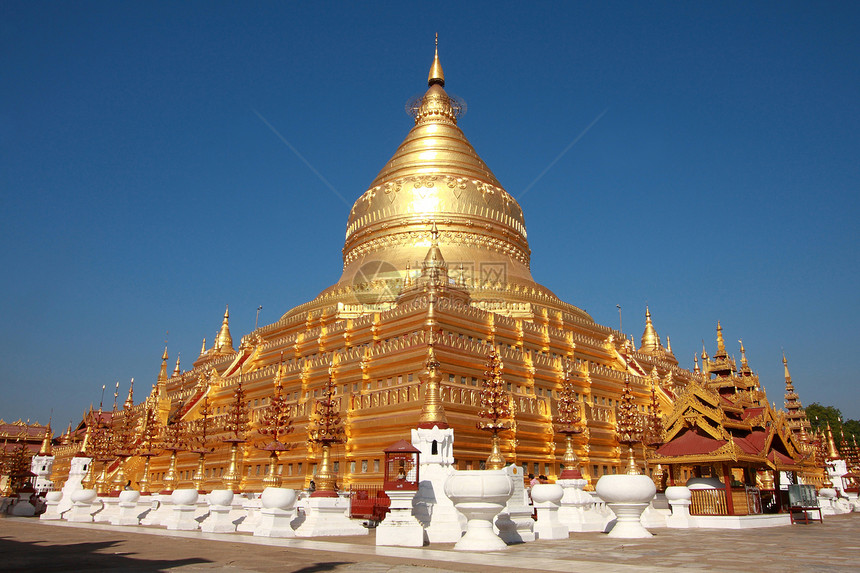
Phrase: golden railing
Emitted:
{"points": [[708, 502]]}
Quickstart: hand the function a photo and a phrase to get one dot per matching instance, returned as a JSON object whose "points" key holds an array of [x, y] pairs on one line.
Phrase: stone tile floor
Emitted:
{"points": [[31, 545]]}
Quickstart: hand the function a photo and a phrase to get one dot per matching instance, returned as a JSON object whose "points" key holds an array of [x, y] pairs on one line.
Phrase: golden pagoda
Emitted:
{"points": [[435, 263]]}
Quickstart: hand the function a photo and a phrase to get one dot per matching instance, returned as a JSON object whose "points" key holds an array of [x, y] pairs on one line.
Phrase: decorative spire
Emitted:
{"points": [[721, 344], [650, 340], [696, 363], [203, 348], [832, 453], [744, 363], [495, 413], [225, 341], [432, 411], [434, 267], [45, 450], [436, 76], [785, 365], [129, 401], [668, 345], [628, 427], [569, 422], [176, 370], [162, 374]]}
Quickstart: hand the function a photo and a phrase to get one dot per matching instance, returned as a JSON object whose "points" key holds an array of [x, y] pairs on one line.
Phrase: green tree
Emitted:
{"points": [[819, 416]]}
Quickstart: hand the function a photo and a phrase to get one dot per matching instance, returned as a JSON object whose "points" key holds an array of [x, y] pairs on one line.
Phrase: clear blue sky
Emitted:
{"points": [[141, 192]]}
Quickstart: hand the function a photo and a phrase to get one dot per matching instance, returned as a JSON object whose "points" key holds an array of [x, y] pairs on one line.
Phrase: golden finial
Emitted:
{"points": [[129, 401], [832, 453], [162, 373], [176, 370], [436, 76], [721, 344], [743, 354], [203, 347], [696, 362], [224, 340], [650, 340], [785, 365], [432, 410], [45, 450]]}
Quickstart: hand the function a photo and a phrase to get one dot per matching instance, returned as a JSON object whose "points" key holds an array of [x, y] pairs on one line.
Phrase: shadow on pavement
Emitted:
{"points": [[38, 556], [327, 566]]}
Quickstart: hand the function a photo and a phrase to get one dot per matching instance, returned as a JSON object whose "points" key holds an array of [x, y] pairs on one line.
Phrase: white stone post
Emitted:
{"points": [[514, 523], [251, 505], [82, 506], [577, 509], [679, 497], [128, 513], [23, 507], [399, 526], [328, 516], [546, 498], [220, 505], [110, 509], [52, 503], [277, 513], [183, 506]]}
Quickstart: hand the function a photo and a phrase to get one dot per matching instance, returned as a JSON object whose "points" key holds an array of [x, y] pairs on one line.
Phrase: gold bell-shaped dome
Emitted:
{"points": [[435, 179]]}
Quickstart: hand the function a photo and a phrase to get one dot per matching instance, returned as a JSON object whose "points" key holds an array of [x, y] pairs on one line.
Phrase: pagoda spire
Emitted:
{"points": [[45, 450], [436, 76], [225, 341], [696, 362], [797, 421], [129, 401], [176, 370], [744, 363], [832, 452], [203, 348], [721, 344], [162, 374], [432, 411], [650, 341]]}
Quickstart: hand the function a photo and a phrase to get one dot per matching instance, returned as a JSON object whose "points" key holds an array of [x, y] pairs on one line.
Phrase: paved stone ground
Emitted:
{"points": [[30, 545]]}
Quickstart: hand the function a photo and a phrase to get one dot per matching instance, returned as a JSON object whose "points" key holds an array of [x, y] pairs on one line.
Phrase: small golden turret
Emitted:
{"points": [[436, 76], [129, 401], [203, 348], [832, 452], [650, 340], [162, 374], [45, 450], [432, 411], [225, 341], [721, 344], [696, 363], [176, 370]]}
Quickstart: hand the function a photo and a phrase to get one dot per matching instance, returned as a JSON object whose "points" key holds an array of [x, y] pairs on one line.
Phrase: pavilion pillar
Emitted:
{"points": [[727, 479], [776, 491]]}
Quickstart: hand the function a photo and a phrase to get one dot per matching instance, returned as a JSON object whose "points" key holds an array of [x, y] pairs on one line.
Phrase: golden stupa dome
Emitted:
{"points": [[436, 183], [437, 176]]}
